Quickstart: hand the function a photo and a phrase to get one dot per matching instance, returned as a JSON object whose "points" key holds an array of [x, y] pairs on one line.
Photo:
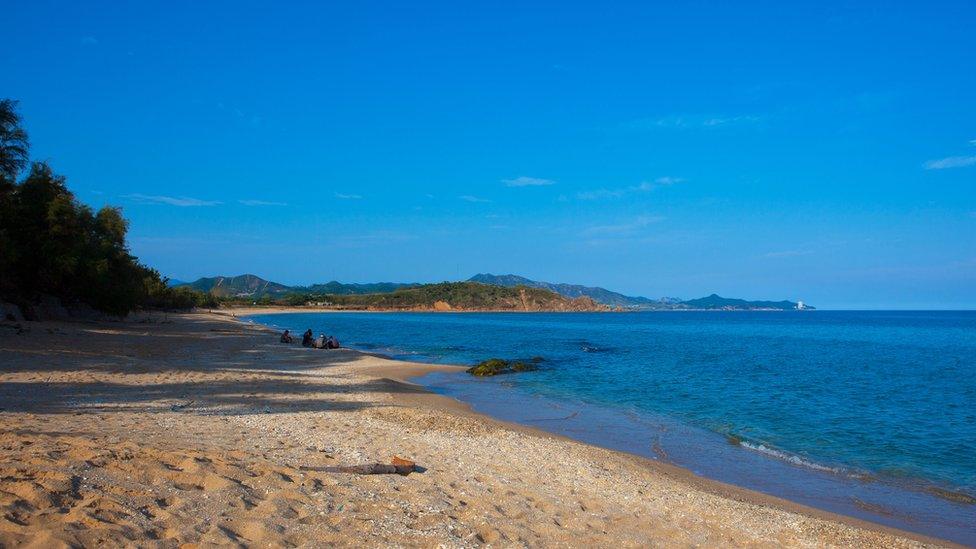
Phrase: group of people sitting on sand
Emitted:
{"points": [[308, 340]]}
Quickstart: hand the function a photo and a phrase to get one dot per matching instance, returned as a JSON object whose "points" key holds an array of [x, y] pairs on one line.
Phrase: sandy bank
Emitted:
{"points": [[197, 428]]}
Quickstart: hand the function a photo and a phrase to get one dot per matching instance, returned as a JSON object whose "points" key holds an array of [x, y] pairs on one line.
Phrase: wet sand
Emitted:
{"points": [[197, 428]]}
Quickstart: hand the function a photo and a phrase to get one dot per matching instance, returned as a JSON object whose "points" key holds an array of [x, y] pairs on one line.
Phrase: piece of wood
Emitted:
{"points": [[401, 462], [399, 467]]}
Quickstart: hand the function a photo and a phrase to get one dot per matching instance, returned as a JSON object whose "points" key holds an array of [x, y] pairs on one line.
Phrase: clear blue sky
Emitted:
{"points": [[824, 152]]}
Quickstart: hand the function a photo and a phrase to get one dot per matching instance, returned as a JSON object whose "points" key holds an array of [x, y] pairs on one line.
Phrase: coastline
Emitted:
{"points": [[271, 310], [289, 405], [408, 375], [905, 503]]}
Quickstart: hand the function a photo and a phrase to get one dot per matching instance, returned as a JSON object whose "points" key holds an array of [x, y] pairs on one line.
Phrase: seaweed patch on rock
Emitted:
{"points": [[496, 366]]}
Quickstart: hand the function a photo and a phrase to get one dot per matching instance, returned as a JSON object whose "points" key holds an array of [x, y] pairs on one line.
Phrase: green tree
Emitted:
{"points": [[54, 245], [14, 147]]}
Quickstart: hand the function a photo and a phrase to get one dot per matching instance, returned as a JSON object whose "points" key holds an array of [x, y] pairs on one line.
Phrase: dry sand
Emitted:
{"points": [[197, 429]]}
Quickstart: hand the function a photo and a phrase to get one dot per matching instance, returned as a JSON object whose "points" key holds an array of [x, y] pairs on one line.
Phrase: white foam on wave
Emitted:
{"points": [[789, 458]]}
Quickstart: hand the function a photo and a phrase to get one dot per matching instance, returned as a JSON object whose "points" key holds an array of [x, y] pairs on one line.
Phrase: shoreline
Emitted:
{"points": [[271, 310], [408, 372], [675, 472], [175, 429]]}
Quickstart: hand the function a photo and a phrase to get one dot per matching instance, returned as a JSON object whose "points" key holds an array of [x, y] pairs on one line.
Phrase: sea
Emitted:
{"points": [[870, 414]]}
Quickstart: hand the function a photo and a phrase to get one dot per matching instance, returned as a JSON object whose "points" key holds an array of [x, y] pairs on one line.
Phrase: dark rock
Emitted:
{"points": [[524, 367], [496, 366]]}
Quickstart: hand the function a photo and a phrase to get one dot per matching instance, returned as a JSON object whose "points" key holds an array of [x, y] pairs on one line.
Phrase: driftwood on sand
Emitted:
{"points": [[397, 466]]}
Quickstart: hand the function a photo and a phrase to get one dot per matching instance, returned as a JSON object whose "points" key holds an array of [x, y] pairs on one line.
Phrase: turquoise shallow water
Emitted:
{"points": [[881, 396]]}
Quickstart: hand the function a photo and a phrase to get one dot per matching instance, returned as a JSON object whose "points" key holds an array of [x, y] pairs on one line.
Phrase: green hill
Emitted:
{"points": [[716, 302], [247, 285], [338, 288], [464, 296], [600, 295], [481, 292], [254, 287], [614, 299]]}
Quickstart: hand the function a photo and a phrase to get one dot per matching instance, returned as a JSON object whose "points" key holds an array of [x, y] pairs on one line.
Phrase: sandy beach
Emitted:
{"points": [[181, 429]]}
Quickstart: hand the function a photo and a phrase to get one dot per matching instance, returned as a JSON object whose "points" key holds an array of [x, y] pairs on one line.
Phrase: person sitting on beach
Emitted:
{"points": [[320, 342], [307, 338], [286, 337], [333, 343]]}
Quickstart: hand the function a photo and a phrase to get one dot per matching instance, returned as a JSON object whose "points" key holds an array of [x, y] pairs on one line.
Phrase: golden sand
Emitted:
{"points": [[184, 430]]}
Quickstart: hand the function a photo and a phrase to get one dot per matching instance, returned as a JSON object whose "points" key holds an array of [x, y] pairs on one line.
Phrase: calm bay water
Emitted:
{"points": [[849, 411]]}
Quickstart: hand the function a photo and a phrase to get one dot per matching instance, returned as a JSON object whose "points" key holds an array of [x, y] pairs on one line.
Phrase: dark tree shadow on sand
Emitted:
{"points": [[252, 372]]}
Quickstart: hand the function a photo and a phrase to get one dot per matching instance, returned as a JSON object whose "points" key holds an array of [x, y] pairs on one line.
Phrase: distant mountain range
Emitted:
{"points": [[614, 299], [247, 285], [600, 295], [254, 287], [463, 296], [338, 288]]}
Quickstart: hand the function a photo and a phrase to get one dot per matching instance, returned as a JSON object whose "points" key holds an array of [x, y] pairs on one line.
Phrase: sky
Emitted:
{"points": [[823, 152]]}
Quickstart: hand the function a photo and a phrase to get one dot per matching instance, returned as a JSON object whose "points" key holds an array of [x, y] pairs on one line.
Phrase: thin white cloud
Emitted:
{"points": [[371, 239], [643, 187], [469, 198], [788, 253], [261, 203], [249, 119], [524, 181], [723, 121], [950, 162], [972, 142], [623, 229], [343, 196], [599, 194], [691, 121], [181, 201]]}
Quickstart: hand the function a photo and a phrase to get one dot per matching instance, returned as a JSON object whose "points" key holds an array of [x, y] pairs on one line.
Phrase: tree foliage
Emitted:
{"points": [[51, 244], [460, 295], [14, 146]]}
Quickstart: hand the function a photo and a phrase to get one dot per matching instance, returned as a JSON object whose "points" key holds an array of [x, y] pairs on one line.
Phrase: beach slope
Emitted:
{"points": [[196, 428]]}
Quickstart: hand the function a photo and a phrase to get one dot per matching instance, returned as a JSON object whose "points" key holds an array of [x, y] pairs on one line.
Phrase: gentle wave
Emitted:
{"points": [[794, 459]]}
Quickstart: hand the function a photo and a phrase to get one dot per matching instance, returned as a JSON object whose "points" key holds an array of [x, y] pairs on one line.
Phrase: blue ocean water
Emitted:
{"points": [[885, 397]]}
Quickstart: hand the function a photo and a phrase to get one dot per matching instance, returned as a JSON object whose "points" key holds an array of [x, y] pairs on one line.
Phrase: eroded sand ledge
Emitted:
{"points": [[195, 428]]}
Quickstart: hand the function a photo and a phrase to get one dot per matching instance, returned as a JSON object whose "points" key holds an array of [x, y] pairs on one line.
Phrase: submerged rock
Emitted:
{"points": [[490, 367], [495, 366]]}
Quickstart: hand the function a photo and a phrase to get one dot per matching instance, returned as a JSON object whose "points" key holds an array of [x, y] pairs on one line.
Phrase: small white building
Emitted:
{"points": [[800, 306]]}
